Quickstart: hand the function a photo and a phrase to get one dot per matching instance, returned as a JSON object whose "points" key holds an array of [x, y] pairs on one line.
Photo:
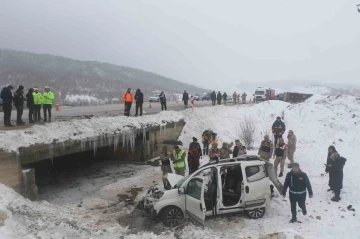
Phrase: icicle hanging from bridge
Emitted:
{"points": [[51, 154], [128, 140], [94, 145]]}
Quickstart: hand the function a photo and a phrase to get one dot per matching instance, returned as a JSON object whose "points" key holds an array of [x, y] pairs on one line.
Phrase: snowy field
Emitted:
{"points": [[319, 122]]}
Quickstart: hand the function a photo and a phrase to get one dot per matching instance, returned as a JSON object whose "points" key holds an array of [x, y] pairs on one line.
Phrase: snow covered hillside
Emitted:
{"points": [[319, 122]]}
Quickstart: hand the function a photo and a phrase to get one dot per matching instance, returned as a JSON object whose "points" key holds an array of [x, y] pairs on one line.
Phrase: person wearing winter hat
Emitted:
{"points": [[19, 104], [48, 98], [7, 99]]}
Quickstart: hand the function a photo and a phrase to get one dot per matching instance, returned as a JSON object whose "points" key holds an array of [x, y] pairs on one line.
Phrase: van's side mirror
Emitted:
{"points": [[181, 190]]}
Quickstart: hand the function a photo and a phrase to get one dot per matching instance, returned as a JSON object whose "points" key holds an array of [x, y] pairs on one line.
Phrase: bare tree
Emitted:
{"points": [[246, 131]]}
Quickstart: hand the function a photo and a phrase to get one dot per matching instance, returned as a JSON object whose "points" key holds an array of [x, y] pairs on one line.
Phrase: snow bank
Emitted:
{"points": [[75, 100], [81, 129]]}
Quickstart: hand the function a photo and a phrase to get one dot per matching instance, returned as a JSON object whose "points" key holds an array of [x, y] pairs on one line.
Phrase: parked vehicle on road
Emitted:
{"points": [[259, 95], [206, 96], [155, 98], [224, 187], [196, 97]]}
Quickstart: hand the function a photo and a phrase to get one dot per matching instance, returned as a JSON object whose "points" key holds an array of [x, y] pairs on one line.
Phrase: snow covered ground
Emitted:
{"points": [[319, 122]]}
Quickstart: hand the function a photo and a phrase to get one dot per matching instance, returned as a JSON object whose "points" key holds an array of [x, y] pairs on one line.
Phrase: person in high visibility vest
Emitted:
{"points": [[127, 98], [48, 98], [38, 100], [178, 159]]}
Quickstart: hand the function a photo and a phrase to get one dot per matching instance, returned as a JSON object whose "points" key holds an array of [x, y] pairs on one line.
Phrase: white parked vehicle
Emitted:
{"points": [[230, 99], [155, 98], [228, 186], [260, 94]]}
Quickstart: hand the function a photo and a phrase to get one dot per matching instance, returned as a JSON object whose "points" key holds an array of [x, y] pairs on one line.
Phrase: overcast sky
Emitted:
{"points": [[205, 42]]}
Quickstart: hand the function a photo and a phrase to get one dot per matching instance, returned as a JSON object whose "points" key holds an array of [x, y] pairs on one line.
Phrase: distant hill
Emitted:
{"points": [[67, 76]]}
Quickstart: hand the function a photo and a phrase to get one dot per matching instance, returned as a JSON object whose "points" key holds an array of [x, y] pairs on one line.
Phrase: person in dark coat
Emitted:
{"points": [[219, 97], [162, 98], [7, 98], [19, 104], [297, 181], [239, 149], [185, 98], [225, 97], [30, 104], [213, 98], [278, 129], [334, 167], [139, 99], [194, 155]]}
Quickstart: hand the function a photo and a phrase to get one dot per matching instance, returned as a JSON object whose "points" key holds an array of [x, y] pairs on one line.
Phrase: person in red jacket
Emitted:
{"points": [[127, 98]]}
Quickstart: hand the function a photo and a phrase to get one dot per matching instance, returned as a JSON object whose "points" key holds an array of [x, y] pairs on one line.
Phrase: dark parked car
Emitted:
{"points": [[207, 96]]}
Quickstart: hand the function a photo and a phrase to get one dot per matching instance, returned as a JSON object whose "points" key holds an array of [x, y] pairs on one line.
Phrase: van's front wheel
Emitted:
{"points": [[255, 213], [172, 216]]}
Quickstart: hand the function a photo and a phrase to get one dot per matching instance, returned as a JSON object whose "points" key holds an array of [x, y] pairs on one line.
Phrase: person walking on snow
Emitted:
{"points": [[30, 104], [225, 98], [139, 101], [266, 148], [281, 152], [165, 163], [194, 155], [278, 129], [38, 99], [7, 99], [335, 165], [178, 159], [163, 100], [48, 98], [192, 101], [127, 98], [291, 147], [234, 97], [239, 149], [205, 141], [185, 98], [213, 98], [219, 97], [297, 182], [19, 104]]}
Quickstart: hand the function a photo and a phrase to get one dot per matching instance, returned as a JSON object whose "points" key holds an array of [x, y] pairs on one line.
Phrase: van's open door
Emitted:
{"points": [[272, 175], [194, 200]]}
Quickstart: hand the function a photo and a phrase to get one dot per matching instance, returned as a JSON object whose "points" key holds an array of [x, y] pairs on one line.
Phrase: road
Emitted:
{"points": [[81, 112]]}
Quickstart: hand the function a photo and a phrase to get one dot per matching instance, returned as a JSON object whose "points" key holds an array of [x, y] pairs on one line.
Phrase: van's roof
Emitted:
{"points": [[248, 158]]}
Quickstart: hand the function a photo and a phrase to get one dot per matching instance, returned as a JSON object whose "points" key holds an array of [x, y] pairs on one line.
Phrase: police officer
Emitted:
{"points": [[297, 181], [178, 158]]}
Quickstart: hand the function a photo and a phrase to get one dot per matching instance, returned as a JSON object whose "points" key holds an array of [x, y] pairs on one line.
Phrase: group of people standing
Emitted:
{"points": [[34, 101], [223, 98]]}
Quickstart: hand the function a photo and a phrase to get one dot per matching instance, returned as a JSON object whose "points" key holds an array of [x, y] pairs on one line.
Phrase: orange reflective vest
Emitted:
{"points": [[127, 97]]}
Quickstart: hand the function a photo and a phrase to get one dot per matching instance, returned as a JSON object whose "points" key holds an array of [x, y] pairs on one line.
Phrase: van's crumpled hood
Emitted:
{"points": [[173, 179]]}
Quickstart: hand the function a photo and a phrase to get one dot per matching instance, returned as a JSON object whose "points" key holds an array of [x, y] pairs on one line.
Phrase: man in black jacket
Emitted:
{"points": [[219, 97], [19, 104], [163, 100], [278, 129], [297, 182], [185, 98], [213, 98], [139, 98], [225, 98], [7, 97]]}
